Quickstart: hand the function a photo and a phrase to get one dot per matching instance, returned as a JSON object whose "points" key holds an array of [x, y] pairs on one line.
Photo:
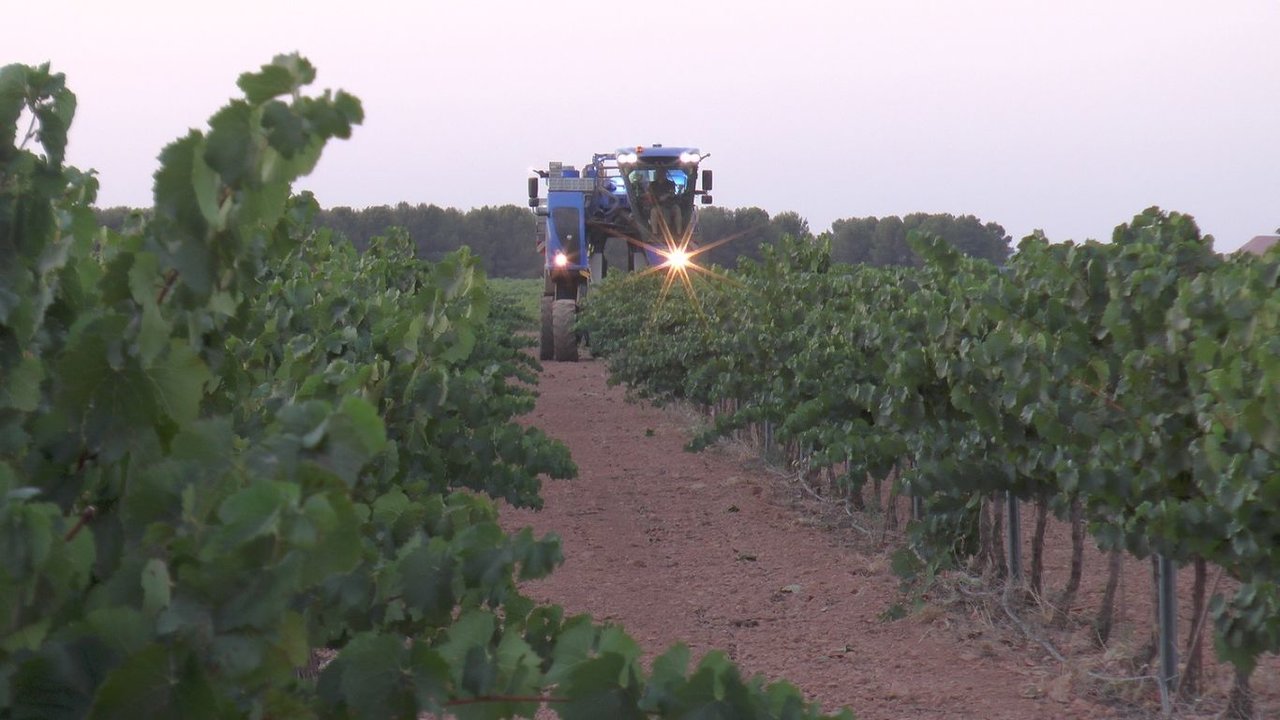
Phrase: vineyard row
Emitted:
{"points": [[1130, 386]]}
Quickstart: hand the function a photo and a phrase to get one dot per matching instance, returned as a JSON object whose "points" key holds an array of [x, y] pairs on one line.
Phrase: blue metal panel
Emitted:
{"points": [[566, 229]]}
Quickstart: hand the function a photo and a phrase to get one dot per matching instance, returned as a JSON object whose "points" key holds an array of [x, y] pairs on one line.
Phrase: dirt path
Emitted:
{"points": [[709, 550]]}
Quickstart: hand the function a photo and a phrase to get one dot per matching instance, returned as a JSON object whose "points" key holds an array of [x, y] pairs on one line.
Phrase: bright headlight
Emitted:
{"points": [[627, 159], [561, 259], [678, 258], [690, 157]]}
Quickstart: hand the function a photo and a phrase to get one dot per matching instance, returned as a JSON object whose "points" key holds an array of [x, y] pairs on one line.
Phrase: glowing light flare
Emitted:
{"points": [[561, 260], [679, 262], [677, 258], [679, 255]]}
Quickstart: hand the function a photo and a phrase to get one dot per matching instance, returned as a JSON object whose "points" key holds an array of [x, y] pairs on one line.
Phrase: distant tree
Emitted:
{"points": [[967, 233], [852, 238], [504, 236], [744, 231], [889, 243], [714, 223], [883, 241], [752, 228], [501, 236], [113, 217], [345, 221], [790, 223]]}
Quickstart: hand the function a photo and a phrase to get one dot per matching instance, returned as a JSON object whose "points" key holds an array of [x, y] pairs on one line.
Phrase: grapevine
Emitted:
{"points": [[1130, 385], [231, 445]]}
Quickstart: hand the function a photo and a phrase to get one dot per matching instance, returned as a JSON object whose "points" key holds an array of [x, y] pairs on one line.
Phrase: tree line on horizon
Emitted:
{"points": [[502, 236]]}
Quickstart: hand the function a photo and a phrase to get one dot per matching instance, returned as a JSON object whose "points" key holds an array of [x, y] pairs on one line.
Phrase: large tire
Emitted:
{"points": [[563, 313], [546, 345]]}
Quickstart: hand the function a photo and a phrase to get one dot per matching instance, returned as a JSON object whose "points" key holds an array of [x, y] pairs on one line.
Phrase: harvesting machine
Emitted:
{"points": [[642, 196]]}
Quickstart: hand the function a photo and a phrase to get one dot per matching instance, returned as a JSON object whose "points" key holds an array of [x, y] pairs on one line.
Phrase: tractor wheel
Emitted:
{"points": [[547, 344], [563, 313]]}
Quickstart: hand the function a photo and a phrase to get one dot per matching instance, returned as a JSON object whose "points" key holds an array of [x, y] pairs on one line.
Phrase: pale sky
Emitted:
{"points": [[1066, 116]]}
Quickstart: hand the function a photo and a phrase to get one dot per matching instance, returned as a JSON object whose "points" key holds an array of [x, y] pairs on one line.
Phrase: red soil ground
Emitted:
{"points": [[718, 551]]}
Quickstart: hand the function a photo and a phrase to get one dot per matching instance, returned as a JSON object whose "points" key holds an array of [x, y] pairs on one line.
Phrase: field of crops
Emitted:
{"points": [[521, 294], [1131, 388], [232, 447], [248, 471]]}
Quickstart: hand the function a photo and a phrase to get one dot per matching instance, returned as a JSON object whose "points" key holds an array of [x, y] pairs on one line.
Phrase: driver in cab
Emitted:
{"points": [[662, 188], [661, 192]]}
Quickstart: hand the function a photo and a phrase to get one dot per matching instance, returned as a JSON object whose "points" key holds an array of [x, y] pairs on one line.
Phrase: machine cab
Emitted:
{"points": [[661, 184]]}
